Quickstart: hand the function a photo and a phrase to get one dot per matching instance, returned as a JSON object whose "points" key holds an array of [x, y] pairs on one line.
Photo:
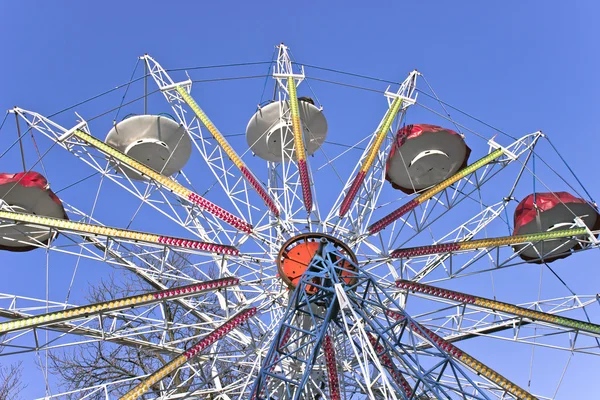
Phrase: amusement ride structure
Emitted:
{"points": [[356, 265]]}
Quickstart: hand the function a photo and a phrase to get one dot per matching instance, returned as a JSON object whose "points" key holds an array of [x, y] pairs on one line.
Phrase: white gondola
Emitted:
{"points": [[270, 136], [156, 141]]}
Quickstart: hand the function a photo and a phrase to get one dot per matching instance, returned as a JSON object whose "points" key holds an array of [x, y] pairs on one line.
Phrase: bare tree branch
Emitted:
{"points": [[96, 363], [11, 384]]}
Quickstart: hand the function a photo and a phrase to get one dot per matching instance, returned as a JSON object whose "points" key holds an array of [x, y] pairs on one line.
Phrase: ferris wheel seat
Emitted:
{"points": [[154, 140], [424, 155], [269, 132], [542, 212], [27, 192]]}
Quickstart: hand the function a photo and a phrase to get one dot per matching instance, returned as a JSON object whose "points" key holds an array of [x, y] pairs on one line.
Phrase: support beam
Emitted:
{"points": [[334, 297], [494, 305], [237, 161], [404, 95], [166, 182], [473, 364], [386, 361], [62, 135], [116, 305], [100, 230], [97, 334], [412, 204], [472, 333], [190, 354]]}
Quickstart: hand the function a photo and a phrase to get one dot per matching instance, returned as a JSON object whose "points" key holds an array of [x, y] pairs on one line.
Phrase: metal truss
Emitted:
{"points": [[236, 183], [338, 303], [285, 177], [423, 210], [149, 192], [455, 264], [68, 333], [456, 321], [359, 196]]}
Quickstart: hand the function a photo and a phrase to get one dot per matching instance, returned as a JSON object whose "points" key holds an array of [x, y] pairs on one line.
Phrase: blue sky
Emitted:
{"points": [[521, 66]]}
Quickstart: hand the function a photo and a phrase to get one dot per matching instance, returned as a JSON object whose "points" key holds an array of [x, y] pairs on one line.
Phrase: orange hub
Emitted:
{"points": [[296, 254]]}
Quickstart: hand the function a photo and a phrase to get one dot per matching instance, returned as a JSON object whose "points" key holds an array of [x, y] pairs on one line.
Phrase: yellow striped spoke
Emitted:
{"points": [[487, 243], [423, 197], [168, 183], [224, 144], [117, 304], [472, 363], [299, 145], [380, 135], [177, 362], [99, 230], [498, 306]]}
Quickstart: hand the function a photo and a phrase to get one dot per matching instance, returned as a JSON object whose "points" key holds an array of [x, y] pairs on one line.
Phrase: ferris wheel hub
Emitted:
{"points": [[297, 253]]}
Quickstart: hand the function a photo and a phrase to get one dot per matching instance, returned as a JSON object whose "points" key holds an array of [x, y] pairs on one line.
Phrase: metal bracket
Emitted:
{"points": [[295, 76], [341, 295], [187, 84], [71, 131], [505, 150], [579, 222], [407, 101]]}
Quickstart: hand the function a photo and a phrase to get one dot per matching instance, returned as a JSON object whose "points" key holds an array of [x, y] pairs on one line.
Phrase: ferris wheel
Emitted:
{"points": [[394, 249]]}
